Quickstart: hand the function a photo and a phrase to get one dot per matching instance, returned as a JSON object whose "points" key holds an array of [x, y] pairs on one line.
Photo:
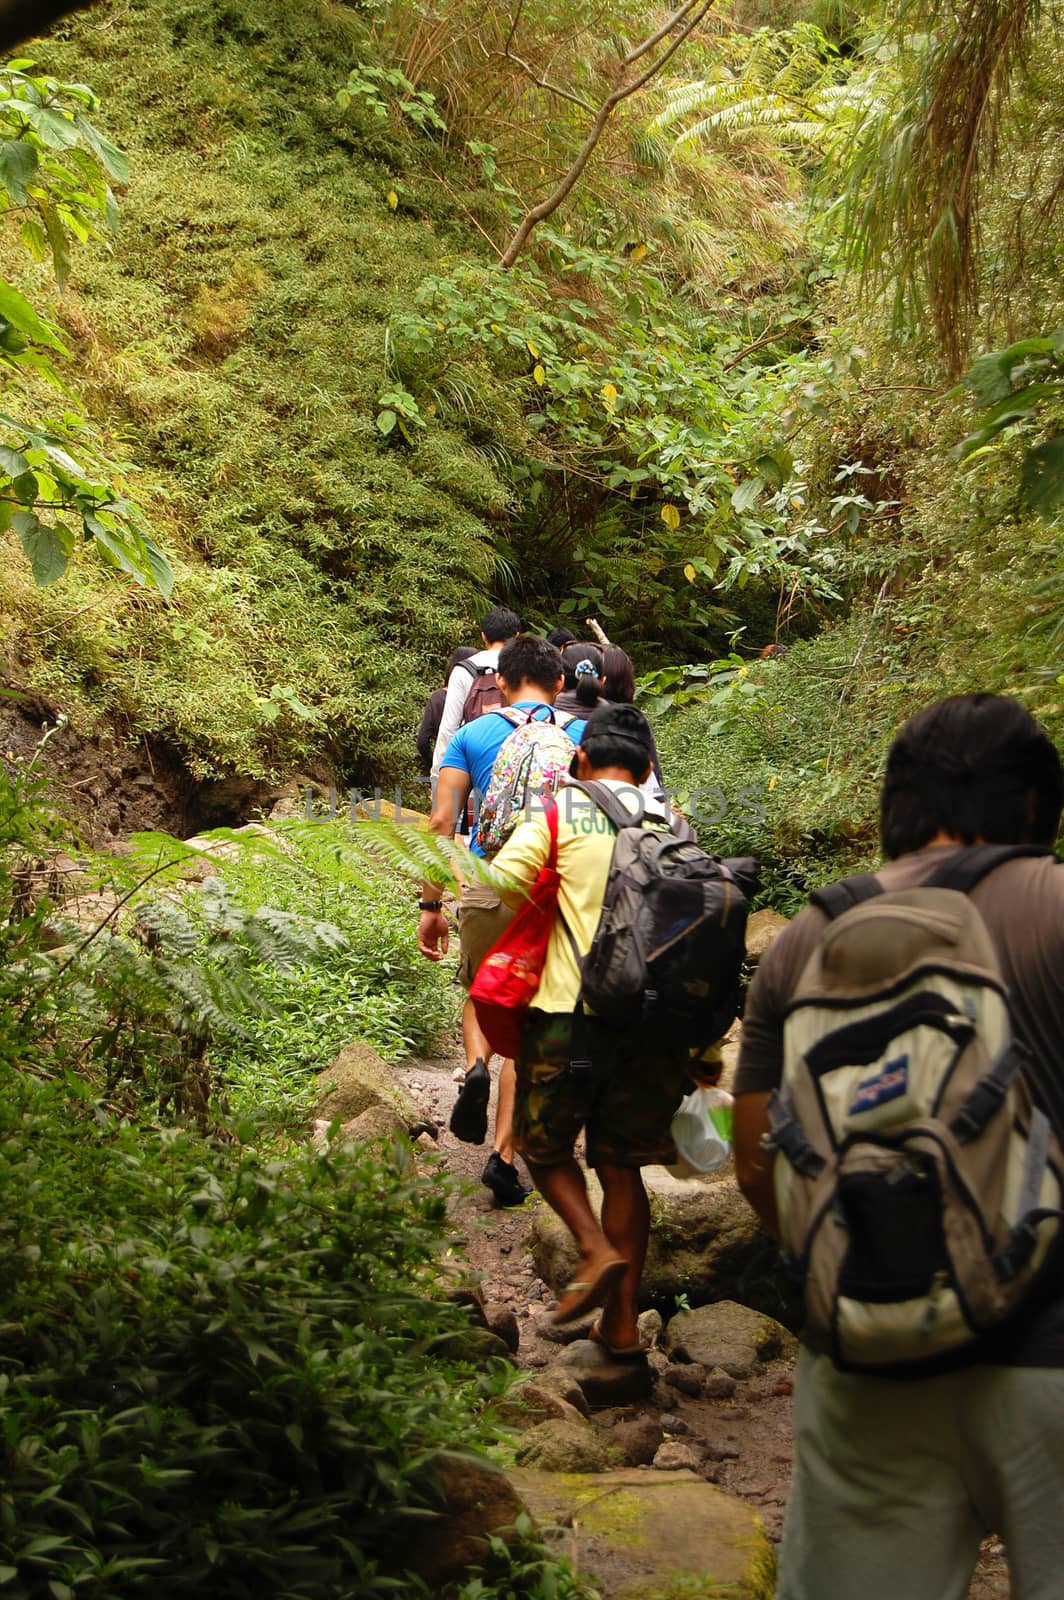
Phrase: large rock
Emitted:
{"points": [[728, 1336], [762, 928], [705, 1243], [649, 1534], [634, 1442], [474, 1499], [357, 1080], [532, 1403], [605, 1381], [475, 1346], [563, 1445]]}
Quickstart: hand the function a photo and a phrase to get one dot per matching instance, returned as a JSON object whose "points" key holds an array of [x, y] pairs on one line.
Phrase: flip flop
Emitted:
{"points": [[582, 1296], [619, 1352]]}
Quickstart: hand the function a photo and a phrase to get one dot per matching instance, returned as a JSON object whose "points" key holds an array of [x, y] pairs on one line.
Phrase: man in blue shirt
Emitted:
{"points": [[530, 675]]}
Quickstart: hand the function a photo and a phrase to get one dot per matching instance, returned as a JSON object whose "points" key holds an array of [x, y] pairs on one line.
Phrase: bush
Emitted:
{"points": [[214, 1364]]}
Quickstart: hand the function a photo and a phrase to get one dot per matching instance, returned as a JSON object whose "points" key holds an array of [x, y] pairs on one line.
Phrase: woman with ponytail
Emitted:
{"points": [[582, 692]]}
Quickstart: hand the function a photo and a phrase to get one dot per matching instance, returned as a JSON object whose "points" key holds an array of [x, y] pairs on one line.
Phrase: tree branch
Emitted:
{"points": [[686, 19]]}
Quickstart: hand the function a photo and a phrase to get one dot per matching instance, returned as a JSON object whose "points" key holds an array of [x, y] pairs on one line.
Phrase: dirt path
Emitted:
{"points": [[743, 1443]]}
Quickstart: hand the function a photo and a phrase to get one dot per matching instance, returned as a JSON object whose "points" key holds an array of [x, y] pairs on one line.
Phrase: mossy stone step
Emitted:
{"points": [[646, 1535]]}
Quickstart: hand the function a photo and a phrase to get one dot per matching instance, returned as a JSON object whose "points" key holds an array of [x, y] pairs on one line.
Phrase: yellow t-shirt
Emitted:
{"points": [[585, 849]]}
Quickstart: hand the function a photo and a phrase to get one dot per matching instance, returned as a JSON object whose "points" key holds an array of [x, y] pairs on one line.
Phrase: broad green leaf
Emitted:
{"points": [[989, 379], [18, 163], [386, 421], [16, 309], [744, 497], [51, 127], [57, 239], [161, 571], [13, 462], [113, 160], [1042, 476], [47, 547], [25, 488]]}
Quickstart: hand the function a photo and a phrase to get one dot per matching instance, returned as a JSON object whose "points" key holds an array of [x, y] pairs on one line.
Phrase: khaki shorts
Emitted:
{"points": [[482, 919]]}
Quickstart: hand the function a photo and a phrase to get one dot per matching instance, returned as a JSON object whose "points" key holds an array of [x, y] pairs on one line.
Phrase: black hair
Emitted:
{"points": [[560, 637], [460, 653], [530, 659], [618, 736], [977, 766], [500, 625], [618, 676], [582, 665]]}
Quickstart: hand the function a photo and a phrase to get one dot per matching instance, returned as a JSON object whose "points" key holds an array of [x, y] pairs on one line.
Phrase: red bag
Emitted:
{"points": [[508, 977]]}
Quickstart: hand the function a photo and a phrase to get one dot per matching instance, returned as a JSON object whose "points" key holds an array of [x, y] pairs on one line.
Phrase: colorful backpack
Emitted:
{"points": [[532, 761], [918, 1184]]}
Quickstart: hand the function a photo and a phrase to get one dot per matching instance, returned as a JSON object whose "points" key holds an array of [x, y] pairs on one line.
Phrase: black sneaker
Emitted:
{"points": [[469, 1119], [502, 1179]]}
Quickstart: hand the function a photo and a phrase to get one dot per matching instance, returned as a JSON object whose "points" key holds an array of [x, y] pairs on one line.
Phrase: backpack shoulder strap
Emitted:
{"points": [[843, 896], [515, 718], [467, 666], [612, 805], [972, 865]]}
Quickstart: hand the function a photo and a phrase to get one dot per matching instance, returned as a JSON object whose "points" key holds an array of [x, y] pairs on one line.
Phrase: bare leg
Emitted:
{"points": [[504, 1111], [475, 1043], [626, 1224], [565, 1191]]}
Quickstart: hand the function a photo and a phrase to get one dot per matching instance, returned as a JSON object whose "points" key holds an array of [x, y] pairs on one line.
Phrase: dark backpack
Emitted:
{"points": [[668, 950], [483, 693], [918, 1185]]}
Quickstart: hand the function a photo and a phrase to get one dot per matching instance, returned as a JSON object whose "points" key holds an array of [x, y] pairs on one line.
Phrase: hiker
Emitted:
{"points": [[582, 690], [618, 687], [471, 686], [529, 671], [560, 637], [622, 1088], [433, 712], [897, 1479]]}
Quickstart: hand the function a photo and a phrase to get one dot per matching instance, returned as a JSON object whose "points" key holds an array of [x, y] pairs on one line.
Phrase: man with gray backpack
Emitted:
{"points": [[642, 967], [899, 1107]]}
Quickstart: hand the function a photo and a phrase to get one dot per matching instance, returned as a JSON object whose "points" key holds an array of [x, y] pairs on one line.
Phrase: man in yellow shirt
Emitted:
{"points": [[574, 1073]]}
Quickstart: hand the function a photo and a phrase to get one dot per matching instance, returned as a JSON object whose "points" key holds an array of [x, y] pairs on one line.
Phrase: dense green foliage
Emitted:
{"points": [[217, 1356]]}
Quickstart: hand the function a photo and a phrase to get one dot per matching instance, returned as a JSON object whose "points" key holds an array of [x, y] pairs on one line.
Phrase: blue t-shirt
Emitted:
{"points": [[476, 744]]}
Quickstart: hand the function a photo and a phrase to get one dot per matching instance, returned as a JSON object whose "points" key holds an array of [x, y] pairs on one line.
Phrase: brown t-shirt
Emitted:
{"points": [[1022, 904]]}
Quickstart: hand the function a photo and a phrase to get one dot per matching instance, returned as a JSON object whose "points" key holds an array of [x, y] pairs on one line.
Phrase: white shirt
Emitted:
{"points": [[458, 686]]}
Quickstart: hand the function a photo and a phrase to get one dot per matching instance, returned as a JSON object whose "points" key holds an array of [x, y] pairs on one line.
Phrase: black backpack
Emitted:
{"points": [[668, 950]]}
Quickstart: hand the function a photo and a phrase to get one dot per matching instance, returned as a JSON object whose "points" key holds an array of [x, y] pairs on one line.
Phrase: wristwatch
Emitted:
{"points": [[430, 905]]}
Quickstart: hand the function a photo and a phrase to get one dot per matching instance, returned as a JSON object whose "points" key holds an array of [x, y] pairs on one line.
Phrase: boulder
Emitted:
{"points": [[532, 1403], [705, 1243], [475, 1500], [642, 1534], [605, 1381], [476, 1346], [377, 1122], [650, 1326], [565, 1386], [634, 1443], [502, 1322], [717, 1385], [729, 1336], [762, 928], [357, 1080], [676, 1456], [563, 1445], [684, 1376]]}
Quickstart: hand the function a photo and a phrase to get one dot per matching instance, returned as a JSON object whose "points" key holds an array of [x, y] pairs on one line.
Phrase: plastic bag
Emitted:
{"points": [[702, 1132]]}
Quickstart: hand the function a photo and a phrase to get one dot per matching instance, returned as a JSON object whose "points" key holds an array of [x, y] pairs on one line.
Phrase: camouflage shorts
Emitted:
{"points": [[624, 1099]]}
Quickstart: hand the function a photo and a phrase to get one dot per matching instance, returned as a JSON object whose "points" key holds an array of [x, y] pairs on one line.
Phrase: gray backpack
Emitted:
{"points": [[919, 1186], [668, 950]]}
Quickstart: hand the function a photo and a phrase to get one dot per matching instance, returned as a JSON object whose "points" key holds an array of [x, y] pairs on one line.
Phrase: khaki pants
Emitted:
{"points": [[896, 1483], [482, 918]]}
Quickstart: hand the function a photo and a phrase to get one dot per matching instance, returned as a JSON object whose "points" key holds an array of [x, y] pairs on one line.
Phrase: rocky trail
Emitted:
{"points": [[665, 1469]]}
